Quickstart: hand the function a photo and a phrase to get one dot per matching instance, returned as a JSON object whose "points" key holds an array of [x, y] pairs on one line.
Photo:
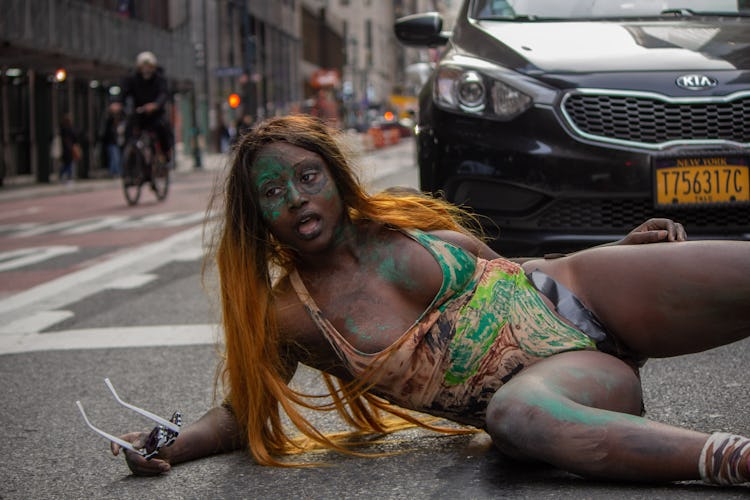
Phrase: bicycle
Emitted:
{"points": [[144, 162]]}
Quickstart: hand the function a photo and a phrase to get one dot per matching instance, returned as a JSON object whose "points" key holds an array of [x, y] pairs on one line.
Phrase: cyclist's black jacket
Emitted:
{"points": [[137, 91]]}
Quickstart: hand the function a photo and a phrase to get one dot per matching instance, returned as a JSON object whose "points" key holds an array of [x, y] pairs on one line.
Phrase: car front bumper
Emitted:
{"points": [[539, 189]]}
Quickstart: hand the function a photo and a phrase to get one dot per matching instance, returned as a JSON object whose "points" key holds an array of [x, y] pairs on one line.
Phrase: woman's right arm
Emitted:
{"points": [[215, 432], [218, 430]]}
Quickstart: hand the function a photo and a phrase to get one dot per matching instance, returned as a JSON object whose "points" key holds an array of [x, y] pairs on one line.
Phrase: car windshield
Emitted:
{"points": [[539, 10]]}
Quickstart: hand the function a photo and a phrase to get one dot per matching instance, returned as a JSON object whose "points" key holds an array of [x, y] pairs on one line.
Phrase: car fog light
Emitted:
{"points": [[471, 92]]}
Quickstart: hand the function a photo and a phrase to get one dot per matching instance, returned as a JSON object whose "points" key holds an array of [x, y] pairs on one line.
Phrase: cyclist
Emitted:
{"points": [[145, 95]]}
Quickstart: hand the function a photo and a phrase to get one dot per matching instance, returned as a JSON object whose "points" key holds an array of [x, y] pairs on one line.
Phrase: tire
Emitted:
{"points": [[160, 179], [132, 174]]}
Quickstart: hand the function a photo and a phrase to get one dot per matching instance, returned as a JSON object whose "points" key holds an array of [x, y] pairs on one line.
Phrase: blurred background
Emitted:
{"points": [[226, 61]]}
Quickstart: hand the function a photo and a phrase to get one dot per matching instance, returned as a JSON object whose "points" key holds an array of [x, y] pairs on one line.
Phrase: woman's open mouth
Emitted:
{"points": [[308, 226]]}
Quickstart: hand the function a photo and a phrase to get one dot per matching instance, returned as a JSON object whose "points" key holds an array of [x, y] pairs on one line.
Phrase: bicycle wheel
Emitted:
{"points": [[132, 174], [160, 179]]}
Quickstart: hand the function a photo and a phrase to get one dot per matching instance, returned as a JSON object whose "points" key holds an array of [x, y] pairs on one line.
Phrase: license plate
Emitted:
{"points": [[697, 181]]}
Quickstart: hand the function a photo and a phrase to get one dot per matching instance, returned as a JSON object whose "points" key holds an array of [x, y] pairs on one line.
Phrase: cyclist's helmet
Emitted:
{"points": [[146, 62], [145, 58]]}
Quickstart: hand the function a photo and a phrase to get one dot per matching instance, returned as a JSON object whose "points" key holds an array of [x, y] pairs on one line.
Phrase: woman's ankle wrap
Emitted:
{"points": [[725, 459]]}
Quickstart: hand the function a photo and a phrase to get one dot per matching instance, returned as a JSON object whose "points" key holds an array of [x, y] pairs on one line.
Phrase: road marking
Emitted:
{"points": [[189, 255], [14, 259], [112, 337], [46, 228], [56, 294], [186, 219], [35, 323], [20, 212], [131, 282], [96, 225], [112, 223]]}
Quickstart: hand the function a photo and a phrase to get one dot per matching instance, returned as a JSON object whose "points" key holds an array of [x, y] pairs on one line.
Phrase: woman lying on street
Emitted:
{"points": [[400, 306]]}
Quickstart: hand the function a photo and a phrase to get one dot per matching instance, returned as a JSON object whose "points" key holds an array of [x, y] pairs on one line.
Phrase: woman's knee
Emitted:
{"points": [[560, 393], [513, 418]]}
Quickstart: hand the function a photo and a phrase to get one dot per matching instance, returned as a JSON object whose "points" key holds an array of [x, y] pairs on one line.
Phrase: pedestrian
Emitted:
{"points": [[400, 306], [112, 136], [71, 148], [244, 125], [225, 137]]}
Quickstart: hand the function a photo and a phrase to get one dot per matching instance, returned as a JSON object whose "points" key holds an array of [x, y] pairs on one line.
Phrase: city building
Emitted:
{"points": [[67, 57], [226, 60]]}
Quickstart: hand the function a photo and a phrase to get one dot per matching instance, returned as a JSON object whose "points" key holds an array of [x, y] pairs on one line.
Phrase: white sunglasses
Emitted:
{"points": [[160, 436]]}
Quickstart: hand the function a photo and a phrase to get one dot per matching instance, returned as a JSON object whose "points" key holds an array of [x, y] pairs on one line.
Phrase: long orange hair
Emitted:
{"points": [[245, 253]]}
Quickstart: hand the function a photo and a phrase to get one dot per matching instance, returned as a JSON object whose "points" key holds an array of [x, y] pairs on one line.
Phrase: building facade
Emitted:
{"points": [[224, 59], [66, 57]]}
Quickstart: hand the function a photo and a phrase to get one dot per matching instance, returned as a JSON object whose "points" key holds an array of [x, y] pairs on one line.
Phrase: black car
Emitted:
{"points": [[566, 124]]}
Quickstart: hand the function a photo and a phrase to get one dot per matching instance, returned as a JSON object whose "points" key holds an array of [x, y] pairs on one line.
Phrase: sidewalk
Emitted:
{"points": [[374, 162], [21, 187]]}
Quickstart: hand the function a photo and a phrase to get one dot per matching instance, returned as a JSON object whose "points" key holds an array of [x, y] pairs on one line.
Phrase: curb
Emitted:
{"points": [[25, 187]]}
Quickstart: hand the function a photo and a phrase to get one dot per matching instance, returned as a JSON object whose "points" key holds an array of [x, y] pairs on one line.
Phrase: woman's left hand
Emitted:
{"points": [[136, 463], [655, 230]]}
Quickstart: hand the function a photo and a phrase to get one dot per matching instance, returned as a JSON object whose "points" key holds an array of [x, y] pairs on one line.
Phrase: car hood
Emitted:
{"points": [[598, 46]]}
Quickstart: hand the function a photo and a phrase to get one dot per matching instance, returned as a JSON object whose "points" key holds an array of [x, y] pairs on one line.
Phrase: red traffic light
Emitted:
{"points": [[233, 100]]}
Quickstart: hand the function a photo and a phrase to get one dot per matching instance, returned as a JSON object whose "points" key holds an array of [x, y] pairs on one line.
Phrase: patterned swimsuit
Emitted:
{"points": [[486, 324]]}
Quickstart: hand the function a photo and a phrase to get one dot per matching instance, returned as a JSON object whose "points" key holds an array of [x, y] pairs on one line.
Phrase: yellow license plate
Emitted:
{"points": [[701, 181]]}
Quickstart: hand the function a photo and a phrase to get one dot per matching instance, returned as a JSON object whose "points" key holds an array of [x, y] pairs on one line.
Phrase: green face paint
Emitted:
{"points": [[282, 179], [270, 173]]}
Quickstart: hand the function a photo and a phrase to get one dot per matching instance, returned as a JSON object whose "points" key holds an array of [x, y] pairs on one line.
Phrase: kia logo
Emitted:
{"points": [[696, 82]]}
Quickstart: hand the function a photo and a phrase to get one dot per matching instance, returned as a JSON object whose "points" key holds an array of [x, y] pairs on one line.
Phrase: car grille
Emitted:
{"points": [[647, 121], [624, 214]]}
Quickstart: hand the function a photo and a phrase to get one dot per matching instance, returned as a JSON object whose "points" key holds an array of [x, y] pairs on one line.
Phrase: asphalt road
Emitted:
{"points": [[134, 309]]}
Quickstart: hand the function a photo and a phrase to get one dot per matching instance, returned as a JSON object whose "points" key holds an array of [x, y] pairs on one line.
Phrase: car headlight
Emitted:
{"points": [[470, 91]]}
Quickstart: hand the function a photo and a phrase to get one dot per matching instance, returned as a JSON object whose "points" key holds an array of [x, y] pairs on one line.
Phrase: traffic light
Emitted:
{"points": [[61, 75], [233, 100]]}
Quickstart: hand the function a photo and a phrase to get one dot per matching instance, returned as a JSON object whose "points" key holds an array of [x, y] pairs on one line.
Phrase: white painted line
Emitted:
{"points": [[75, 286], [131, 282], [148, 220], [21, 226], [96, 225], [46, 228], [35, 323], [21, 211], [114, 337], [15, 259], [189, 255], [185, 219]]}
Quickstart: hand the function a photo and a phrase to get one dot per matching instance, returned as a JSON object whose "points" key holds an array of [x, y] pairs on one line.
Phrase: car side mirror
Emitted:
{"points": [[421, 30]]}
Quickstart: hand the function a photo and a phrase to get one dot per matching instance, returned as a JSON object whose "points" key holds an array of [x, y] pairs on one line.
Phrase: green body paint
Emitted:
{"points": [[352, 327], [397, 271], [567, 411]]}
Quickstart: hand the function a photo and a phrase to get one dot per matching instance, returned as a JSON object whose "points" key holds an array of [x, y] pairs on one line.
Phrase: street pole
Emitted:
{"points": [[195, 130]]}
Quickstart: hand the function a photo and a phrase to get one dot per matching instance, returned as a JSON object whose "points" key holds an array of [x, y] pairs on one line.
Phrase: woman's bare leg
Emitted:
{"points": [[579, 411], [663, 299]]}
